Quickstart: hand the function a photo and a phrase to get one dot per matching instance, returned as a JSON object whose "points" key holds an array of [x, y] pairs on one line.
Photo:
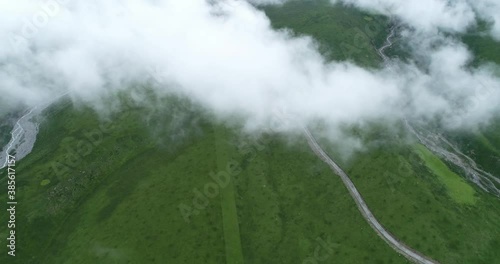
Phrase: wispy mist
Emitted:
{"points": [[435, 15]]}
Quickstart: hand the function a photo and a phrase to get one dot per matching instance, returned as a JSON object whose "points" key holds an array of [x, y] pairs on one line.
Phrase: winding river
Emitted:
{"points": [[24, 133]]}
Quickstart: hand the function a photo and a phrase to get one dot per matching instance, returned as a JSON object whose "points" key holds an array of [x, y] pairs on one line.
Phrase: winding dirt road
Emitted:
{"points": [[398, 246], [409, 253]]}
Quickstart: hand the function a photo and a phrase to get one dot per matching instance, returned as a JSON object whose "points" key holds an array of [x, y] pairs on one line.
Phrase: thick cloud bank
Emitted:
{"points": [[225, 56]]}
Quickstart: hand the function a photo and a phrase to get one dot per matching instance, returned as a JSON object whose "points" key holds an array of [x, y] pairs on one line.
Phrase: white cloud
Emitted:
{"points": [[229, 59]]}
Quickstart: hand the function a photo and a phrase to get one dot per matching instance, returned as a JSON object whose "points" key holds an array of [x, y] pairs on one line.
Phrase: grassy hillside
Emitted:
{"points": [[127, 200], [343, 33], [485, 48], [421, 201]]}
